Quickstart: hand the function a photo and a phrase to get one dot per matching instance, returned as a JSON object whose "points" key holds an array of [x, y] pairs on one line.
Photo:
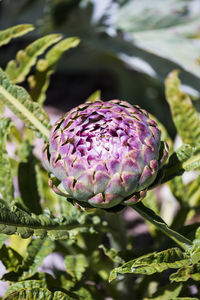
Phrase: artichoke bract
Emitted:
{"points": [[105, 153]]}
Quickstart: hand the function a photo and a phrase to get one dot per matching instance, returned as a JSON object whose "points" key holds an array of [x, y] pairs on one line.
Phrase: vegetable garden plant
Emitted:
{"points": [[98, 159]]}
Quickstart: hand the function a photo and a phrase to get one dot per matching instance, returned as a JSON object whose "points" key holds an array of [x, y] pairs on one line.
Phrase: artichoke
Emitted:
{"points": [[105, 153]]}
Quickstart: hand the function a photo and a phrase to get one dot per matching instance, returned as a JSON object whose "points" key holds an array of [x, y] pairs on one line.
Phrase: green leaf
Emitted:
{"points": [[6, 179], [184, 114], [45, 67], [55, 52], [31, 293], [193, 193], [18, 69], [167, 292], [18, 100], [186, 273], [10, 258], [169, 34], [27, 179], [23, 285], [37, 250], [185, 158], [76, 265], [112, 254], [14, 32], [153, 263], [14, 220]]}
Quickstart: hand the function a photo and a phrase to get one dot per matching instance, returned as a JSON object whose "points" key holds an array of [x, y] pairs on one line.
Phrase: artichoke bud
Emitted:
{"points": [[105, 153]]}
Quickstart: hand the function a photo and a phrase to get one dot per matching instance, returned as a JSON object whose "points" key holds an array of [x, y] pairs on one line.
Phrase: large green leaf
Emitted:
{"points": [[15, 220], [166, 29], [22, 285], [184, 114], [153, 263], [14, 32], [6, 179], [18, 100], [30, 293], [18, 69]]}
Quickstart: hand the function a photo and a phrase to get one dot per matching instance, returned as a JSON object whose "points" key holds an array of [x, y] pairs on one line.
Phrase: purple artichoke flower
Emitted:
{"points": [[105, 153]]}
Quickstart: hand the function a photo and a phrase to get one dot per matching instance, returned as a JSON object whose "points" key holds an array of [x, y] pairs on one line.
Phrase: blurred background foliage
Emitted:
{"points": [[127, 48]]}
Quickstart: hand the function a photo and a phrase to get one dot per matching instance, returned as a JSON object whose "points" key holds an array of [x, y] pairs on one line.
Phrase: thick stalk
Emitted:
{"points": [[160, 224]]}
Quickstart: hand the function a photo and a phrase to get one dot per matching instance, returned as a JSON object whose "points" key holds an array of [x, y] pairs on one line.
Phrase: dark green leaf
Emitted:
{"points": [[10, 258], [27, 179]]}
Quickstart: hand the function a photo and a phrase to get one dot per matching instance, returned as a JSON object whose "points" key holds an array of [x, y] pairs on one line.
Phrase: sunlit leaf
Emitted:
{"points": [[184, 114], [18, 100], [18, 69], [14, 32], [153, 263]]}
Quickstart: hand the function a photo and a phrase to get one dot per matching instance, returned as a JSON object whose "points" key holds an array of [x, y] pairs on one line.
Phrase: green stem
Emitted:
{"points": [[160, 224]]}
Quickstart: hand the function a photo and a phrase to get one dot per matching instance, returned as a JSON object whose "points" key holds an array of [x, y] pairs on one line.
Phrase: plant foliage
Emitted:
{"points": [[98, 259]]}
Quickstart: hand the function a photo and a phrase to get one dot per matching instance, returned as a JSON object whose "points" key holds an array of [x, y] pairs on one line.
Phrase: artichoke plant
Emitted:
{"points": [[105, 153]]}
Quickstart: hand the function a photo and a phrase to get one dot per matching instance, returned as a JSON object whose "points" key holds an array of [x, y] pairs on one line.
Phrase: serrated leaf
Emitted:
{"points": [[76, 265], [14, 32], [18, 69], [6, 179], [27, 284], [18, 100], [185, 158], [153, 263], [186, 273], [27, 179], [15, 220], [10, 258], [184, 114], [45, 67], [31, 293]]}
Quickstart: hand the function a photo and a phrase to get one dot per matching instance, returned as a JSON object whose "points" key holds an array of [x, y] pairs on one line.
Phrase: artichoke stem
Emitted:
{"points": [[160, 224]]}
